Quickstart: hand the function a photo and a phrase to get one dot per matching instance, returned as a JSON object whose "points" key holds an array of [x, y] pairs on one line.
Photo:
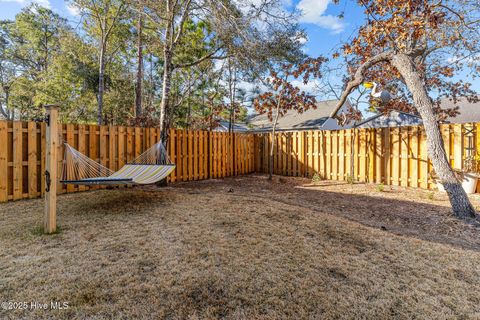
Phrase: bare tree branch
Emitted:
{"points": [[209, 56], [359, 78]]}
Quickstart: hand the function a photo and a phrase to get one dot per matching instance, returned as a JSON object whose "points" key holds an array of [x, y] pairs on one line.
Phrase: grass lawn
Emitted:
{"points": [[243, 248]]}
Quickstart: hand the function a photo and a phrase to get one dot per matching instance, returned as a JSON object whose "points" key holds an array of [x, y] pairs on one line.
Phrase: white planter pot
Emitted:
{"points": [[469, 183]]}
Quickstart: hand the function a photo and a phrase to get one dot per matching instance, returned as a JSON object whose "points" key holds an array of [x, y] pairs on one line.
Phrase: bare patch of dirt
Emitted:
{"points": [[242, 248]]}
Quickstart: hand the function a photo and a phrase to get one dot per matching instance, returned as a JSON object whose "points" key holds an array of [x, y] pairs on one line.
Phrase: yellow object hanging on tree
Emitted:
{"points": [[383, 95]]}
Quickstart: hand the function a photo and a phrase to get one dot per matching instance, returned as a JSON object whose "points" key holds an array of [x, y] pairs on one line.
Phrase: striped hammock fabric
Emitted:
{"points": [[130, 174], [150, 167]]}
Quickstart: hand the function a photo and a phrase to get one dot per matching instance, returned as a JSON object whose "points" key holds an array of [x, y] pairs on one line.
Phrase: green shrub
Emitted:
{"points": [[316, 178], [380, 187], [349, 179]]}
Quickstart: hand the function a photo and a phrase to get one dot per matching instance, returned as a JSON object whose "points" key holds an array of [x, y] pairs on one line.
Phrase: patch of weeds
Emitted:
{"points": [[349, 179], [282, 180], [316, 178], [430, 195], [380, 187], [39, 231]]}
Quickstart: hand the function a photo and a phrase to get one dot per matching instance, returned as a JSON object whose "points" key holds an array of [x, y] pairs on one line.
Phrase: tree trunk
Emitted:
{"points": [[189, 106], [232, 88], [272, 146], [101, 82], [138, 85], [461, 205], [164, 105], [6, 112]]}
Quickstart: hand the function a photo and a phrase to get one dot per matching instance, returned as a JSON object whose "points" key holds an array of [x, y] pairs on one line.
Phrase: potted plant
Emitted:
{"points": [[468, 175]]}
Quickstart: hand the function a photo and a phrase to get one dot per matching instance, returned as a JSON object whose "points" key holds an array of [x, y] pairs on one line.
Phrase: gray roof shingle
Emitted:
{"points": [[292, 120], [468, 112]]}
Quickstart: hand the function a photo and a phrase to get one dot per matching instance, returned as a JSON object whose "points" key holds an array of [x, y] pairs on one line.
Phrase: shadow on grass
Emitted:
{"points": [[416, 215], [422, 220], [111, 202]]}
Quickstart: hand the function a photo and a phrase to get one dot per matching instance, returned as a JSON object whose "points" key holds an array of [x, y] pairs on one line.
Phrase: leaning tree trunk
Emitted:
{"points": [[272, 146], [461, 205]]}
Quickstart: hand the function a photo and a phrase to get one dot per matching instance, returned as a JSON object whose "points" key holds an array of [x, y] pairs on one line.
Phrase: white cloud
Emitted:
{"points": [[17, 1], [23, 3], [73, 10], [311, 87], [313, 11], [467, 59], [302, 40]]}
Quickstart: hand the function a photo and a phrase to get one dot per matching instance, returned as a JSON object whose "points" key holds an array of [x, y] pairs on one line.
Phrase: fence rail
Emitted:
{"points": [[197, 154], [392, 156]]}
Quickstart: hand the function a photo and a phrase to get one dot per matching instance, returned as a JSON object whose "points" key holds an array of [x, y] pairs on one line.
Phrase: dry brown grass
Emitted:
{"points": [[198, 251]]}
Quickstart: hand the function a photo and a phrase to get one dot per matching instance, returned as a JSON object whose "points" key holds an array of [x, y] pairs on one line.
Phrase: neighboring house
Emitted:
{"points": [[312, 119], [223, 126], [319, 118], [468, 112], [393, 119]]}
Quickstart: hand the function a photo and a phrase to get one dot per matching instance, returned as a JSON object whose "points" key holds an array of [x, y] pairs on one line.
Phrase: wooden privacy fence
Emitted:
{"points": [[392, 156], [197, 154]]}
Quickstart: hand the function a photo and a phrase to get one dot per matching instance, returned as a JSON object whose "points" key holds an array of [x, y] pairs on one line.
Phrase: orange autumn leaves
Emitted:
{"points": [[285, 96]]}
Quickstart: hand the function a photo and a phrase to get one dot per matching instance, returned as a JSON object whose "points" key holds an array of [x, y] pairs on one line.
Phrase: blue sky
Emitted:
{"points": [[325, 29], [9, 8], [320, 20]]}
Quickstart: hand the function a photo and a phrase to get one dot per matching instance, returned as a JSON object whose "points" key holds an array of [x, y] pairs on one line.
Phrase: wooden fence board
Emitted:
{"points": [[458, 146], [371, 155], [334, 143], [43, 137], [190, 154], [17, 160], [82, 136], [32, 160], [414, 159], [3, 162], [404, 154]]}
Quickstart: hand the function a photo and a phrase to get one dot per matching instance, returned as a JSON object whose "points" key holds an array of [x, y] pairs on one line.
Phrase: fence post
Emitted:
{"points": [[50, 225]]}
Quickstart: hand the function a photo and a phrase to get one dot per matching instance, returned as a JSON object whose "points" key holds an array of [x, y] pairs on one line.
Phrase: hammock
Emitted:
{"points": [[150, 167]]}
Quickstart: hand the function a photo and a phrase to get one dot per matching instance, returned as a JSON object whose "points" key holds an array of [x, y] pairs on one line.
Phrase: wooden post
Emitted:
{"points": [[50, 225]]}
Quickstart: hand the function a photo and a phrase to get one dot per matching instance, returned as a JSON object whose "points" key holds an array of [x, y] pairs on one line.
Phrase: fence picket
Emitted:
{"points": [[32, 160], [17, 160], [3, 162]]}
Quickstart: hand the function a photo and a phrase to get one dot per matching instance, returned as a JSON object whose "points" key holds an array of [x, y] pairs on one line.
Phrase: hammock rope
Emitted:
{"points": [[77, 166], [156, 154], [151, 166]]}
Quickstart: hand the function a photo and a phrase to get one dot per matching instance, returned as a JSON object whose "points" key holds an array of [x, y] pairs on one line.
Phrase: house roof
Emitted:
{"points": [[393, 119], [468, 112], [237, 126], [292, 120]]}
